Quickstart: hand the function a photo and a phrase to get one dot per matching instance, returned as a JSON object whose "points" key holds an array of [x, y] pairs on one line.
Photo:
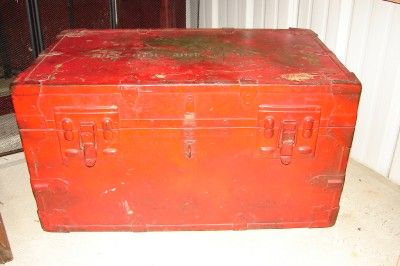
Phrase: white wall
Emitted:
{"points": [[364, 34], [395, 169]]}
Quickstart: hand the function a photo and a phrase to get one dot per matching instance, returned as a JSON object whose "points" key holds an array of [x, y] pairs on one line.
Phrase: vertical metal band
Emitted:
{"points": [[113, 14], [168, 14], [198, 14], [32, 9]]}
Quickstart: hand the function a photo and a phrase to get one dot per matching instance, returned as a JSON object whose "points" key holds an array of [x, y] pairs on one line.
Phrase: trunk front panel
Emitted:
{"points": [[147, 159]]}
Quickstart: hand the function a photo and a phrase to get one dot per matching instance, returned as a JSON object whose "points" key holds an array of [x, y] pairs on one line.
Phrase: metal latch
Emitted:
{"points": [[88, 143], [287, 132], [87, 133], [287, 141]]}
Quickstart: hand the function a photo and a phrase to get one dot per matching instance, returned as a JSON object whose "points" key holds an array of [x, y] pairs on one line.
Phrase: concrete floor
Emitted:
{"points": [[367, 233], [9, 134]]}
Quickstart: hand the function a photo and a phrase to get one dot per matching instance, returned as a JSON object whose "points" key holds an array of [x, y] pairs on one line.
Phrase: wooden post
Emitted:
{"points": [[5, 250]]}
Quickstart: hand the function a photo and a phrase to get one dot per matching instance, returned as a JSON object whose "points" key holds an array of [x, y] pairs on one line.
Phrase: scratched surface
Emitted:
{"points": [[164, 155], [187, 56]]}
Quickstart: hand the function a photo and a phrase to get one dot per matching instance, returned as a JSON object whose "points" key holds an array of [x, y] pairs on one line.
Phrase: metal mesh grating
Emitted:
{"points": [[58, 15], [151, 14], [15, 47]]}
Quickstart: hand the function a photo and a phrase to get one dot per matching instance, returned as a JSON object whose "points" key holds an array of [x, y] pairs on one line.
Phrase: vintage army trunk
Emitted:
{"points": [[186, 130]]}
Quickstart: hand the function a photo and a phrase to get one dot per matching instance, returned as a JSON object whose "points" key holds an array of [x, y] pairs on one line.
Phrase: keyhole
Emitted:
{"points": [[189, 151]]}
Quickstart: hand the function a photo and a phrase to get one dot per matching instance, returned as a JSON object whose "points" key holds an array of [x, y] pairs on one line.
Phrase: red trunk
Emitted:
{"points": [[186, 130]]}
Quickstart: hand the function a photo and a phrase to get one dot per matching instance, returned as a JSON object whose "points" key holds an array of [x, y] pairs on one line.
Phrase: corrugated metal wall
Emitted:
{"points": [[364, 34]]}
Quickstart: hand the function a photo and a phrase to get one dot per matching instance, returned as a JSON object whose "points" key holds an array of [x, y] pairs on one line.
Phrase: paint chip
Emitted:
{"points": [[297, 76], [75, 33], [159, 76], [53, 54], [105, 54], [127, 208], [110, 190]]}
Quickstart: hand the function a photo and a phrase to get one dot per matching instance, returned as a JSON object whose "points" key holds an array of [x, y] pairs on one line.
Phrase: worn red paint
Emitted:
{"points": [[186, 130]]}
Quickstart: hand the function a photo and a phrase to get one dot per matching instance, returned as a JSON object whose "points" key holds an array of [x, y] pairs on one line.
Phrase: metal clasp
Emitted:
{"points": [[287, 141], [287, 132], [88, 143], [87, 134]]}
